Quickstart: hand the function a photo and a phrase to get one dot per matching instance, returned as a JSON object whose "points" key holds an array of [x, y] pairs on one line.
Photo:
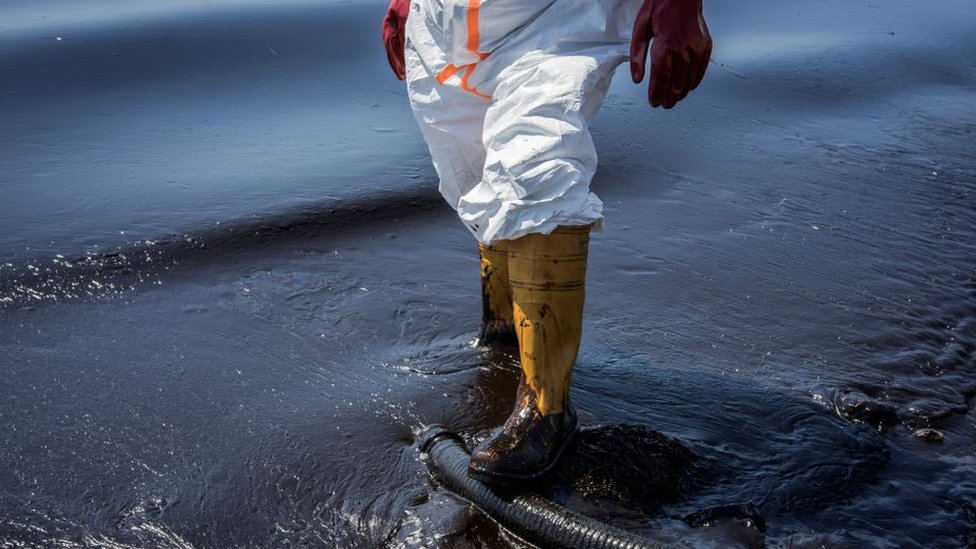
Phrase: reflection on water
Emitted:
{"points": [[224, 315]]}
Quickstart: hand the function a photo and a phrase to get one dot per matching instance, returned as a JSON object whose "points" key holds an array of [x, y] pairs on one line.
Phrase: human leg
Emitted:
{"points": [[532, 196], [497, 320], [451, 120], [547, 275], [535, 197]]}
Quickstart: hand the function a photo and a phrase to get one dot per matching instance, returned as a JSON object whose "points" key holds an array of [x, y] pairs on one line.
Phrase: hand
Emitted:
{"points": [[679, 54], [394, 36]]}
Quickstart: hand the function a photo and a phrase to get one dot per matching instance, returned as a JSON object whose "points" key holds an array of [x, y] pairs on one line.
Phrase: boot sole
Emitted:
{"points": [[513, 478]]}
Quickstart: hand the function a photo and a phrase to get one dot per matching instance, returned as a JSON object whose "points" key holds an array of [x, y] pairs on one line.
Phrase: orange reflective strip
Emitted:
{"points": [[452, 70], [467, 87], [474, 37], [447, 73], [474, 29]]}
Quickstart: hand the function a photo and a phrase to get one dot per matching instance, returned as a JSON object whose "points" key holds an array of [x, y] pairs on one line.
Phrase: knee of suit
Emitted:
{"points": [[535, 158]]}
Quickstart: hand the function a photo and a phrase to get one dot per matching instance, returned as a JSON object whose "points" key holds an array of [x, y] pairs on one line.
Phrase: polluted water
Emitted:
{"points": [[231, 296]]}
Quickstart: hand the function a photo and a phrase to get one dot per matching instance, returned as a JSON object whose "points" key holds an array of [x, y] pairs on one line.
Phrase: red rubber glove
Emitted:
{"points": [[679, 54], [394, 36]]}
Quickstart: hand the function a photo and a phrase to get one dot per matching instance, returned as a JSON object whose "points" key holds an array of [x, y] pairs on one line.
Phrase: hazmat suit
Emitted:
{"points": [[504, 92]]}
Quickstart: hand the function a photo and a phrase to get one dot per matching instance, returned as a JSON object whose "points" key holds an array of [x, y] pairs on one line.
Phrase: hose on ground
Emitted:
{"points": [[529, 516]]}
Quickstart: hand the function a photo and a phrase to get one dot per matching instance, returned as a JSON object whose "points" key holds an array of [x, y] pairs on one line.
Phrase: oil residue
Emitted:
{"points": [[228, 300]]}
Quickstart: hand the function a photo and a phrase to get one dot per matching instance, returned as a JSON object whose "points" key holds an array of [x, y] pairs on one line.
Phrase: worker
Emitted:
{"points": [[504, 92]]}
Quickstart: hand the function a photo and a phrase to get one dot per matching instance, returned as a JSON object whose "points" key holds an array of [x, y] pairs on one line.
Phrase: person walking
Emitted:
{"points": [[504, 92]]}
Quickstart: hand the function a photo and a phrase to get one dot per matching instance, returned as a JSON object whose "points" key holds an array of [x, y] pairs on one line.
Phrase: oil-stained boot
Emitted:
{"points": [[497, 323], [547, 275], [527, 446]]}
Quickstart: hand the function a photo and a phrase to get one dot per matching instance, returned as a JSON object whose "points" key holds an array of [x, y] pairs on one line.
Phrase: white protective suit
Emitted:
{"points": [[504, 91]]}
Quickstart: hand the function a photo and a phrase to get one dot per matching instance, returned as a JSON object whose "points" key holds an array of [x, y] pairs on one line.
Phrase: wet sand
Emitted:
{"points": [[230, 294]]}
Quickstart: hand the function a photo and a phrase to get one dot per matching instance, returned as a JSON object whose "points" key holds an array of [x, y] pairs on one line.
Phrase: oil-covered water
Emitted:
{"points": [[230, 295]]}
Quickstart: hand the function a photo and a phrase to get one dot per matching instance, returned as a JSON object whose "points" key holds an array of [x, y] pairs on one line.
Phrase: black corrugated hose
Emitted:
{"points": [[529, 516]]}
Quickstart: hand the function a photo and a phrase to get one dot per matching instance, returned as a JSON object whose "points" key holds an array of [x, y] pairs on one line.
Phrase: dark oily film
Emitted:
{"points": [[232, 299]]}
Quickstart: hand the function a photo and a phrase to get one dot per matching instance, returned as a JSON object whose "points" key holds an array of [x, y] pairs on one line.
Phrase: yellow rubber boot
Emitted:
{"points": [[547, 275], [497, 324]]}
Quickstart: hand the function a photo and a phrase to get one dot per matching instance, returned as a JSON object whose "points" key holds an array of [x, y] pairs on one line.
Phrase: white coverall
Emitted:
{"points": [[504, 91]]}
